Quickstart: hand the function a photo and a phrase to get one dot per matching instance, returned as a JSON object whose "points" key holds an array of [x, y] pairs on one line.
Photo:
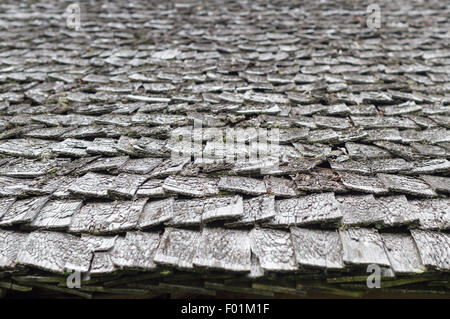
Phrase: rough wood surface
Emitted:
{"points": [[107, 217], [304, 210], [222, 208], [11, 242], [257, 209], [56, 214], [156, 213], [23, 211], [51, 251], [187, 213], [360, 210], [244, 185], [402, 253], [397, 210], [274, 249], [406, 184], [434, 248], [432, 213], [361, 183], [362, 246], [136, 250], [191, 186], [178, 248], [317, 248], [224, 249]]}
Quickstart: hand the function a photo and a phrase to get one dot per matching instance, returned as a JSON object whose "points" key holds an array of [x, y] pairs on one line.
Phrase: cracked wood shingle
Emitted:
{"points": [[56, 214], [402, 253], [433, 214], [191, 186], [434, 248], [406, 184], [52, 251], [11, 242], [156, 213], [107, 217], [221, 248], [317, 248], [255, 210], [306, 210], [178, 247], [362, 246], [360, 210], [244, 185], [23, 211], [362, 183], [222, 208], [274, 249], [136, 250], [187, 213]]}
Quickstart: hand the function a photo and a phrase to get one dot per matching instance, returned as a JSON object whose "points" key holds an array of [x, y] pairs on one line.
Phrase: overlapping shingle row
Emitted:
{"points": [[90, 120]]}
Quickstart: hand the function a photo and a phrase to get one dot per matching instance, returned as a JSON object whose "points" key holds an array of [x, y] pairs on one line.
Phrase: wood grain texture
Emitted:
{"points": [[23, 211], [407, 185], [433, 214], [221, 248], [136, 250], [402, 253], [178, 248], [11, 242], [187, 213], [107, 217], [191, 186], [362, 246], [51, 251], [222, 208], [156, 213], [397, 211], [274, 249], [56, 214], [434, 248], [359, 210], [244, 185], [255, 210], [317, 248], [361, 183], [305, 210]]}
